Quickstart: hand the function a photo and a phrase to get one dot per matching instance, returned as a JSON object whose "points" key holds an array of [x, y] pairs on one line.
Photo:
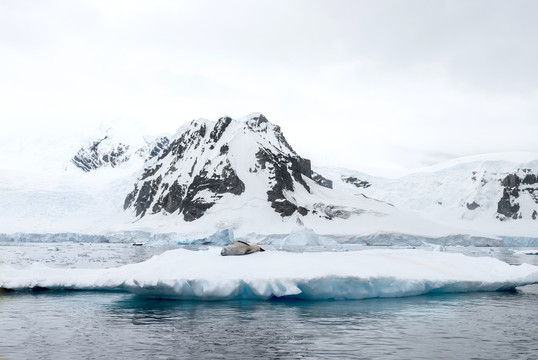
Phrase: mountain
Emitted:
{"points": [[109, 152], [244, 174], [202, 165], [496, 193]]}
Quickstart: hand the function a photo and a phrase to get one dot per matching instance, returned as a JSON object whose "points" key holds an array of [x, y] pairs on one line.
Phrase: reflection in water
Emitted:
{"points": [[416, 327], [120, 325]]}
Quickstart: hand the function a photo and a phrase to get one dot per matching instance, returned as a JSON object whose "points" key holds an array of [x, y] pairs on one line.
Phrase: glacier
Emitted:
{"points": [[338, 275], [299, 239]]}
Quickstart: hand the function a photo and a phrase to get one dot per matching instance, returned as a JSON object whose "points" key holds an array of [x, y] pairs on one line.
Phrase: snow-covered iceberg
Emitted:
{"points": [[205, 275], [300, 239]]}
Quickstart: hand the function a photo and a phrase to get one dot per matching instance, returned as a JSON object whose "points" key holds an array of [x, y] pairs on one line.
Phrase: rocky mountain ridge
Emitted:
{"points": [[109, 152], [468, 190], [200, 167], [242, 174]]}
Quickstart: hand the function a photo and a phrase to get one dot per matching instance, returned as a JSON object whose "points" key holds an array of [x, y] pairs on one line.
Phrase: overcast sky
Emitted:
{"points": [[360, 84]]}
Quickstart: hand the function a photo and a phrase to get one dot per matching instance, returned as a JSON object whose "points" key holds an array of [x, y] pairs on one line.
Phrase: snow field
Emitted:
{"points": [[205, 275]]}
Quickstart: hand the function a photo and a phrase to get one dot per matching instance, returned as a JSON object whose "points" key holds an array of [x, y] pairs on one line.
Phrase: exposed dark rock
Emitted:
{"points": [[332, 212], [219, 128], [472, 206], [176, 148], [146, 195], [258, 123], [193, 166], [357, 182], [195, 209], [130, 198], [280, 166], [283, 207], [515, 185], [198, 188], [320, 180], [295, 168], [97, 155], [150, 171], [91, 158], [305, 167], [158, 146], [202, 131], [227, 182], [153, 149], [172, 200], [511, 180], [505, 207], [530, 179], [534, 215]]}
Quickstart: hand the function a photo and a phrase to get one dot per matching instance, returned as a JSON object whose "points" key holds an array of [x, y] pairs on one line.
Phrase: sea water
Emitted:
{"points": [[117, 325]]}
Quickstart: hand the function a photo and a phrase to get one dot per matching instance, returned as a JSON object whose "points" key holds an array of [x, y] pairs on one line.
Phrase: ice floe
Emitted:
{"points": [[205, 275]]}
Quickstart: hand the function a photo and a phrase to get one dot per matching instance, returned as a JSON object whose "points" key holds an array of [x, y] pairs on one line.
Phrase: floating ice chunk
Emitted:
{"points": [[205, 275], [299, 239], [220, 238], [434, 247], [526, 252]]}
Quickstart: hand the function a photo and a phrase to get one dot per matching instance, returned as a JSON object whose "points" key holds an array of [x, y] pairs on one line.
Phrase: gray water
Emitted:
{"points": [[116, 325]]}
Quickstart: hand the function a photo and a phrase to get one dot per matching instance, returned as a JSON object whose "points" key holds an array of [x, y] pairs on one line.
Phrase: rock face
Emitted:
{"points": [[203, 163], [472, 206], [321, 180], [101, 153], [481, 188], [520, 186], [107, 152], [285, 171], [355, 181]]}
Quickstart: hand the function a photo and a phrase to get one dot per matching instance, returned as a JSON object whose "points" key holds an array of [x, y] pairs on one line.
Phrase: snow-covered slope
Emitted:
{"points": [[243, 174], [495, 193], [43, 190]]}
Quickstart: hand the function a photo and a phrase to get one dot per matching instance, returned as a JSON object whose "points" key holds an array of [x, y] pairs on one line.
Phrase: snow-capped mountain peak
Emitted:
{"points": [[207, 161], [242, 174], [111, 150]]}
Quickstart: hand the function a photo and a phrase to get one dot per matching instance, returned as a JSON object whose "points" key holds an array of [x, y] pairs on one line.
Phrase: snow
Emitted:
{"points": [[205, 275], [299, 239], [526, 252], [46, 199], [441, 193], [220, 238], [43, 193]]}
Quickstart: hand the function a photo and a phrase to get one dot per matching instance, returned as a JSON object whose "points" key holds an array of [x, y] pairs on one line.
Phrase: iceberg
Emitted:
{"points": [[205, 275], [300, 239], [220, 238]]}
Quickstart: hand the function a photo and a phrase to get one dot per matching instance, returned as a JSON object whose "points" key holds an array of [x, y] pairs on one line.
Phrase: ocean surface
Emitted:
{"points": [[118, 325]]}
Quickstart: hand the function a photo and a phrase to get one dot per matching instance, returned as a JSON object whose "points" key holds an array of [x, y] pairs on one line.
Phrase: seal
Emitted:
{"points": [[240, 248]]}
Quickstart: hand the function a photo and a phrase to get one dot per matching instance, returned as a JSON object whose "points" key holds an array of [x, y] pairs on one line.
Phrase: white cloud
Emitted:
{"points": [[352, 83]]}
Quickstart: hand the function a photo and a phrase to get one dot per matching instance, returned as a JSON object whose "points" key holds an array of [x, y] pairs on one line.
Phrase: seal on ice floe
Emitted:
{"points": [[240, 248]]}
